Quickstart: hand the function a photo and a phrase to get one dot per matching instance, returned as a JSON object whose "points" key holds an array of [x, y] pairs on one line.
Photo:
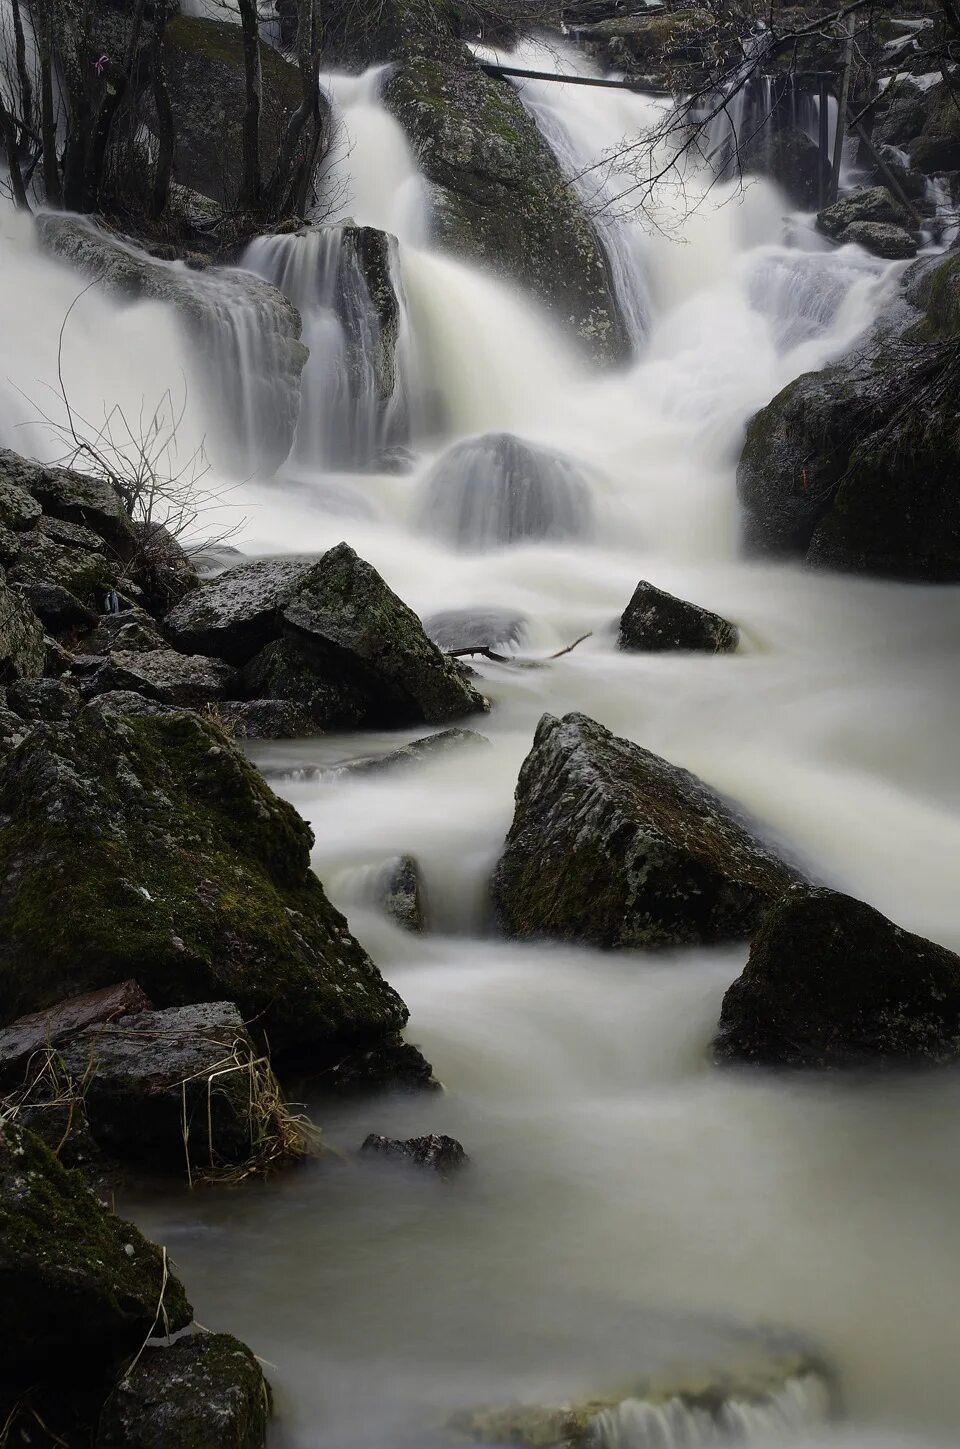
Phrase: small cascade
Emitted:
{"points": [[758, 109], [801, 293], [359, 397], [677, 1424]]}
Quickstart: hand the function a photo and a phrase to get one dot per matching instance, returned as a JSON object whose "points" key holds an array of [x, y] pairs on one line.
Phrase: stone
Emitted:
{"points": [[883, 239], [656, 622], [85, 573], [206, 1391], [417, 752], [57, 608], [11, 546], [873, 204], [483, 626], [171, 1089], [398, 1068], [498, 489], [70, 535], [937, 149], [21, 637], [188, 681], [830, 982], [790, 158], [171, 860], [53, 700], [18, 507], [162, 569], [130, 631], [239, 611], [443, 1155], [401, 893], [265, 719], [613, 846], [32, 1034], [79, 1287], [73, 497]]}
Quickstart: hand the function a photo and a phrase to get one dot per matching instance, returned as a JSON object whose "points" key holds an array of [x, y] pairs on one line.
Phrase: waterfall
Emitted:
{"points": [[359, 391], [676, 1424]]}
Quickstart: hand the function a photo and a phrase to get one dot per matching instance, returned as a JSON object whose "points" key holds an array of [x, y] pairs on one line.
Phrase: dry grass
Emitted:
{"points": [[49, 1087]]}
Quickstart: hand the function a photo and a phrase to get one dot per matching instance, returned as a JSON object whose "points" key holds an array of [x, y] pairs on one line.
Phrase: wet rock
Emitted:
{"points": [[70, 535], [789, 158], [400, 1067], [57, 660], [190, 681], [239, 611], [18, 507], [401, 891], [79, 1288], [21, 636], [479, 626], [162, 569], [87, 574], [830, 982], [415, 753], [33, 1033], [613, 846], [73, 497], [125, 701], [171, 860], [206, 1391], [443, 1155], [130, 631], [883, 239], [874, 204], [52, 700], [901, 113], [937, 149], [498, 489], [57, 608], [265, 719], [656, 622], [155, 1078]]}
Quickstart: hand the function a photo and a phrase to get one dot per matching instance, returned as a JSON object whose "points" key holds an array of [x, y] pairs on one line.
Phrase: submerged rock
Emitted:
{"points": [[499, 489], [415, 753], [206, 1391], [613, 846], [401, 892], [170, 859], [790, 158], [483, 627], [656, 622], [265, 719], [79, 1288], [442, 1155], [830, 982]]}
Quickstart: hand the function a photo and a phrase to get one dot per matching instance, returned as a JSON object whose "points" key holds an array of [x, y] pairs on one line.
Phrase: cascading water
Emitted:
{"points": [[615, 1176]]}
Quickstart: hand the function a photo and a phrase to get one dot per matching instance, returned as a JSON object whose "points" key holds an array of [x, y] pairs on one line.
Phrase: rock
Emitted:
{"points": [[830, 982], [13, 729], [206, 1391], [57, 661], [239, 611], [70, 535], [902, 113], [265, 719], [613, 846], [18, 508], [481, 626], [400, 1067], [844, 469], [79, 1288], [883, 239], [874, 204], [88, 575], [41, 1029], [125, 701], [70, 496], [21, 637], [161, 568], [790, 158], [678, 51], [415, 753], [155, 1077], [11, 546], [937, 149], [702, 1381], [171, 860], [443, 1155], [258, 393], [656, 622], [401, 892], [190, 681], [130, 631], [498, 195], [499, 489], [52, 700], [57, 608]]}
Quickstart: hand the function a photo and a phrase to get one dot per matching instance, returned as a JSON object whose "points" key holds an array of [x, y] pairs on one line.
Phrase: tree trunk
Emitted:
{"points": [[282, 182], [48, 120], [97, 149], [250, 184], [23, 74], [161, 101], [8, 137]]}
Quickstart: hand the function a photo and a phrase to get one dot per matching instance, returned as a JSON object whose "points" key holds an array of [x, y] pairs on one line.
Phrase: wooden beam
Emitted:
{"points": [[573, 80]]}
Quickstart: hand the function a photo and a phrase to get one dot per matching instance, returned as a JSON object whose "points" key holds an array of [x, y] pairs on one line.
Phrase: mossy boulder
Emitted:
{"points": [[830, 982], [191, 681], [613, 846], [171, 860], [883, 239], [239, 611], [79, 1289], [937, 148], [873, 204], [21, 636], [206, 1391], [655, 622], [72, 497]]}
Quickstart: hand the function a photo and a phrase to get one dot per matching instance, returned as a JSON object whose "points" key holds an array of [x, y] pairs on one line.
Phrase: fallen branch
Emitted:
{"points": [[517, 659]]}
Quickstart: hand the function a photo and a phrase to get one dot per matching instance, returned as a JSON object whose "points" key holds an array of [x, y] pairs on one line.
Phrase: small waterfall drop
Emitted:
{"points": [[676, 1424]]}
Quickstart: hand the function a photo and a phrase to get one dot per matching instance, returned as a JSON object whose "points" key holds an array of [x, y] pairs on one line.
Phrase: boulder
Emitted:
{"points": [[613, 846], [883, 239], [656, 622], [265, 719], [32, 1034], [189, 681], [400, 890], [874, 204], [163, 571], [171, 860], [70, 496], [57, 608], [498, 489], [176, 1089], [790, 158], [131, 631], [21, 637], [239, 611], [206, 1391], [830, 982], [18, 507], [901, 113], [937, 149], [443, 1155], [79, 1288], [87, 574], [398, 1068], [52, 700]]}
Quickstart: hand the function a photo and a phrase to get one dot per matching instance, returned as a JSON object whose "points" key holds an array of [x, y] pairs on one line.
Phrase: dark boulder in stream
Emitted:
{"points": [[656, 622], [171, 860], [442, 1155], [613, 846], [830, 982]]}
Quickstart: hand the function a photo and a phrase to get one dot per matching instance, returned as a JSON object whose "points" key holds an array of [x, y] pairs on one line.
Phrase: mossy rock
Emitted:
{"points": [[172, 861], [830, 982], [206, 1391], [655, 622], [613, 846], [80, 1289], [21, 637]]}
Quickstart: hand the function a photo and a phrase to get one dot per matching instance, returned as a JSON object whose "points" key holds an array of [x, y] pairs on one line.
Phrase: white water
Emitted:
{"points": [[615, 1174]]}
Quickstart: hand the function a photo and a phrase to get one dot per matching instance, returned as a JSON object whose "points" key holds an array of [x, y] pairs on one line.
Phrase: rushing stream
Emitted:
{"points": [[616, 1176]]}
